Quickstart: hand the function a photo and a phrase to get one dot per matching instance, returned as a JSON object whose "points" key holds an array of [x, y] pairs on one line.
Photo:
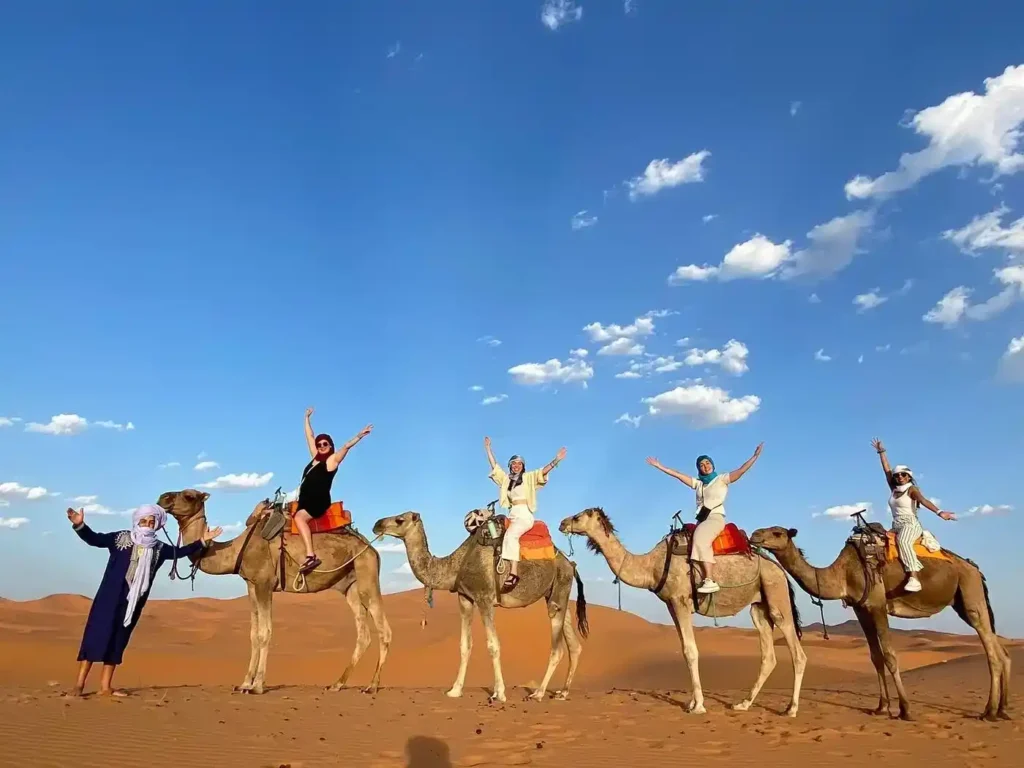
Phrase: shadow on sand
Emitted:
{"points": [[427, 752]]}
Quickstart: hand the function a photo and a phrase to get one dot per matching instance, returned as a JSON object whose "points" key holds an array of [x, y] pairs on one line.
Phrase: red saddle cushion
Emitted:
{"points": [[731, 541], [538, 536]]}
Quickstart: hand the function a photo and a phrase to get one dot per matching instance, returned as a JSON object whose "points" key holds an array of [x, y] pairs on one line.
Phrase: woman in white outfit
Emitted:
{"points": [[904, 499], [711, 488], [518, 494]]}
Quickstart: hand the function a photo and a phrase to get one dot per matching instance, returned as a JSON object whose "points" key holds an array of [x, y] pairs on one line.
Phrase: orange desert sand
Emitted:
{"points": [[624, 712]]}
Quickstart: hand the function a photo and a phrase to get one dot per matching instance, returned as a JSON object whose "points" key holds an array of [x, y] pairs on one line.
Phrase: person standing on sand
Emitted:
{"points": [[315, 486], [711, 488], [904, 499], [518, 494], [135, 557]]}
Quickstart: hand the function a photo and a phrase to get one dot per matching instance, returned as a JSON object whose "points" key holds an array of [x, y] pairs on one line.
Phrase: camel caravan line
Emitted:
{"points": [[867, 576]]}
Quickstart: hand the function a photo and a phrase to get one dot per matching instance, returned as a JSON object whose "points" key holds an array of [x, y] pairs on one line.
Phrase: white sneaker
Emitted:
{"points": [[912, 585], [709, 586]]}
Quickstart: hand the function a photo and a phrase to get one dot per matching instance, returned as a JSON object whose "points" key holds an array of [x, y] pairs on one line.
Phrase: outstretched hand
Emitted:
{"points": [[561, 453], [76, 518], [212, 534], [309, 412], [877, 445], [487, 443], [947, 515], [757, 451], [654, 462], [364, 431]]}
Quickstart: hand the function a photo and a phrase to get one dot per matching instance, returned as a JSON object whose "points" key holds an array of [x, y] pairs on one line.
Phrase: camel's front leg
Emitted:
{"points": [[494, 646], [867, 624], [264, 630], [764, 636], [254, 643], [681, 615], [380, 621], [465, 645], [891, 661], [787, 624], [557, 616], [572, 642], [362, 635]]}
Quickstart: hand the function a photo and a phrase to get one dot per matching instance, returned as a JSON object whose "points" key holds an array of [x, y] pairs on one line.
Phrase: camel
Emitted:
{"points": [[350, 566], [959, 584], [757, 582], [469, 571]]}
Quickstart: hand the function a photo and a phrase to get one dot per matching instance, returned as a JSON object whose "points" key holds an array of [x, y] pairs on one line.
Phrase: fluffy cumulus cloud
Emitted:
{"points": [[987, 232], [624, 339], [73, 424], [988, 509], [956, 305], [633, 421], [966, 129], [732, 358], [555, 13], [12, 491], [240, 482], [830, 248], [1011, 364], [554, 371], [8, 421], [582, 220], [663, 174], [842, 512], [13, 523], [651, 364], [702, 406]]}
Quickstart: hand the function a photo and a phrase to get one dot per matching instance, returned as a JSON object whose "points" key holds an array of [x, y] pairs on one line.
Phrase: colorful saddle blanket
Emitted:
{"points": [[536, 543], [335, 518], [892, 553], [731, 541]]}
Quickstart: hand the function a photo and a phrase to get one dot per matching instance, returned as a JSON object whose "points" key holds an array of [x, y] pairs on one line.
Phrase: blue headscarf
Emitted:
{"points": [[711, 475]]}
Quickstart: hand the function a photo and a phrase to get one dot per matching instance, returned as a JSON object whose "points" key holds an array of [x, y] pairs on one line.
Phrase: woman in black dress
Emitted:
{"points": [[315, 488]]}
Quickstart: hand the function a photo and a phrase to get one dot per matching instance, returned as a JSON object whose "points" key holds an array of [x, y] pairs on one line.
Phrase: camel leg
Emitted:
{"points": [[681, 615], [254, 643], [494, 646], [465, 646], [786, 623], [971, 606], [556, 615], [375, 605], [362, 635], [572, 642], [767, 642], [881, 622], [264, 631], [867, 624]]}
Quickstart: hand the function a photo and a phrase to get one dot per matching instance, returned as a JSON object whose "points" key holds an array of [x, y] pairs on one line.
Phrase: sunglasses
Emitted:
{"points": [[323, 444]]}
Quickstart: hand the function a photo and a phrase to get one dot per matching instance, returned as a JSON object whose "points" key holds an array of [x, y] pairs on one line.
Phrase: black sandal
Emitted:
{"points": [[510, 583], [311, 562]]}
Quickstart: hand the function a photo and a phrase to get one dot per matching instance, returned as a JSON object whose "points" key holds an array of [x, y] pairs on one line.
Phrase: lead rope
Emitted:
{"points": [[711, 601], [299, 583], [194, 568], [821, 606]]}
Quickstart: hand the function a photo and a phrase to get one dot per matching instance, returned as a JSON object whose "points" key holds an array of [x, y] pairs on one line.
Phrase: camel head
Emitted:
{"points": [[774, 539], [185, 505], [590, 522], [398, 526]]}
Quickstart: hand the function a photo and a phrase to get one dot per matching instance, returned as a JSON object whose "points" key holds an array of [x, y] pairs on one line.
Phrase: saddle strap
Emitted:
{"points": [[241, 552], [670, 543]]}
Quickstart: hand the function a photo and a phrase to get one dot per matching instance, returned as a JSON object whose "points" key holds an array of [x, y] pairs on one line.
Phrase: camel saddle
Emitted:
{"points": [[877, 546], [333, 520], [535, 544], [731, 541]]}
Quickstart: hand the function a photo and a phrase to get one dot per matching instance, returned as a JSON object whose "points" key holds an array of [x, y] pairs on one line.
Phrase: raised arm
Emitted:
{"points": [[490, 453], [553, 463], [686, 479], [916, 495], [87, 534], [310, 437], [339, 456], [736, 474], [877, 445]]}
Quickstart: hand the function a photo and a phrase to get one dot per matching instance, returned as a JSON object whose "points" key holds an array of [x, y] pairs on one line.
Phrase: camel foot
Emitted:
{"points": [[1002, 714], [372, 688], [742, 706], [990, 717], [536, 696], [696, 709], [906, 716], [497, 696], [338, 686], [564, 696], [454, 693], [881, 709], [791, 710]]}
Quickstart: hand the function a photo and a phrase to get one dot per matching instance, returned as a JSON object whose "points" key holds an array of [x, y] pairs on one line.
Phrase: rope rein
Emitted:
{"points": [[299, 582]]}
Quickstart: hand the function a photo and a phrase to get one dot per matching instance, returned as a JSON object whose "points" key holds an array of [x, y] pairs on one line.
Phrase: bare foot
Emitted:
{"points": [[114, 692], [74, 693]]}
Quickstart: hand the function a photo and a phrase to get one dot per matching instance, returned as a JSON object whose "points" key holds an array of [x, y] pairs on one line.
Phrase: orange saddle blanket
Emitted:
{"points": [[892, 553], [335, 518], [731, 541], [536, 543]]}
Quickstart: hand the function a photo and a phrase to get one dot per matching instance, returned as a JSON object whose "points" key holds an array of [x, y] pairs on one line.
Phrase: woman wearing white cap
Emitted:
{"points": [[903, 503]]}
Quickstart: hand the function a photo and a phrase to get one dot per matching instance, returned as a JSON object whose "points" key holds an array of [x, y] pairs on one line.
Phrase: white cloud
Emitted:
{"points": [[629, 6], [732, 357], [404, 568], [169, 465], [8, 421], [821, 357], [813, 299], [84, 499], [624, 346], [966, 129], [627, 419], [1011, 364], [652, 364], [987, 509], [709, 217], [703, 406], [390, 547], [869, 300], [13, 522], [12, 490], [240, 482], [860, 359], [956, 305], [630, 374], [581, 220], [642, 326], [394, 49], [794, 107], [987, 231], [555, 13], [115, 426], [661, 174], [476, 388], [842, 512], [494, 399], [202, 466], [883, 348], [683, 342], [61, 424], [232, 528], [553, 371], [578, 352], [490, 341]]}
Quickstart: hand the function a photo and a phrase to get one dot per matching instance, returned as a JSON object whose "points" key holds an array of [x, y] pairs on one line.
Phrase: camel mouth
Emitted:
{"points": [[566, 526], [378, 528]]}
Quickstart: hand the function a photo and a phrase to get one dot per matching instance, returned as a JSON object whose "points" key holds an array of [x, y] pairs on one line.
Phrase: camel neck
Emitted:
{"points": [[824, 583], [432, 572], [219, 557], [632, 570]]}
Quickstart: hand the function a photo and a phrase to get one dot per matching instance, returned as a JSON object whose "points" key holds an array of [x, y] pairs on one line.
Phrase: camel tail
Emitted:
{"points": [[581, 607], [796, 611]]}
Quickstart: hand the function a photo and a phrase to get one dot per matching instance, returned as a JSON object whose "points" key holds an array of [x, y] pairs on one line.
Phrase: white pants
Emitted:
{"points": [[908, 531], [702, 549], [520, 521]]}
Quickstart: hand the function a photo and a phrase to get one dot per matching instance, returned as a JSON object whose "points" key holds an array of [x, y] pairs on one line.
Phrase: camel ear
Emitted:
{"points": [[792, 533], [414, 517], [204, 496]]}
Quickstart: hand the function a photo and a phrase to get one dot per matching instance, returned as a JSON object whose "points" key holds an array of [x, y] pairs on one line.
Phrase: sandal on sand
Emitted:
{"points": [[510, 583], [311, 562]]}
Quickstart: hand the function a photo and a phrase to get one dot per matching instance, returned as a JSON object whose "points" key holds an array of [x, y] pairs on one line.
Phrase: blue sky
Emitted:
{"points": [[760, 222]]}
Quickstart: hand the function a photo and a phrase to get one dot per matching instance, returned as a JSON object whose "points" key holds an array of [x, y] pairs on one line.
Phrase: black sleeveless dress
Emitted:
{"points": [[315, 489]]}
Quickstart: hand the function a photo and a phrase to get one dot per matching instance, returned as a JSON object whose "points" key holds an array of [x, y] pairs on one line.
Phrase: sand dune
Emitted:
{"points": [[626, 706]]}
